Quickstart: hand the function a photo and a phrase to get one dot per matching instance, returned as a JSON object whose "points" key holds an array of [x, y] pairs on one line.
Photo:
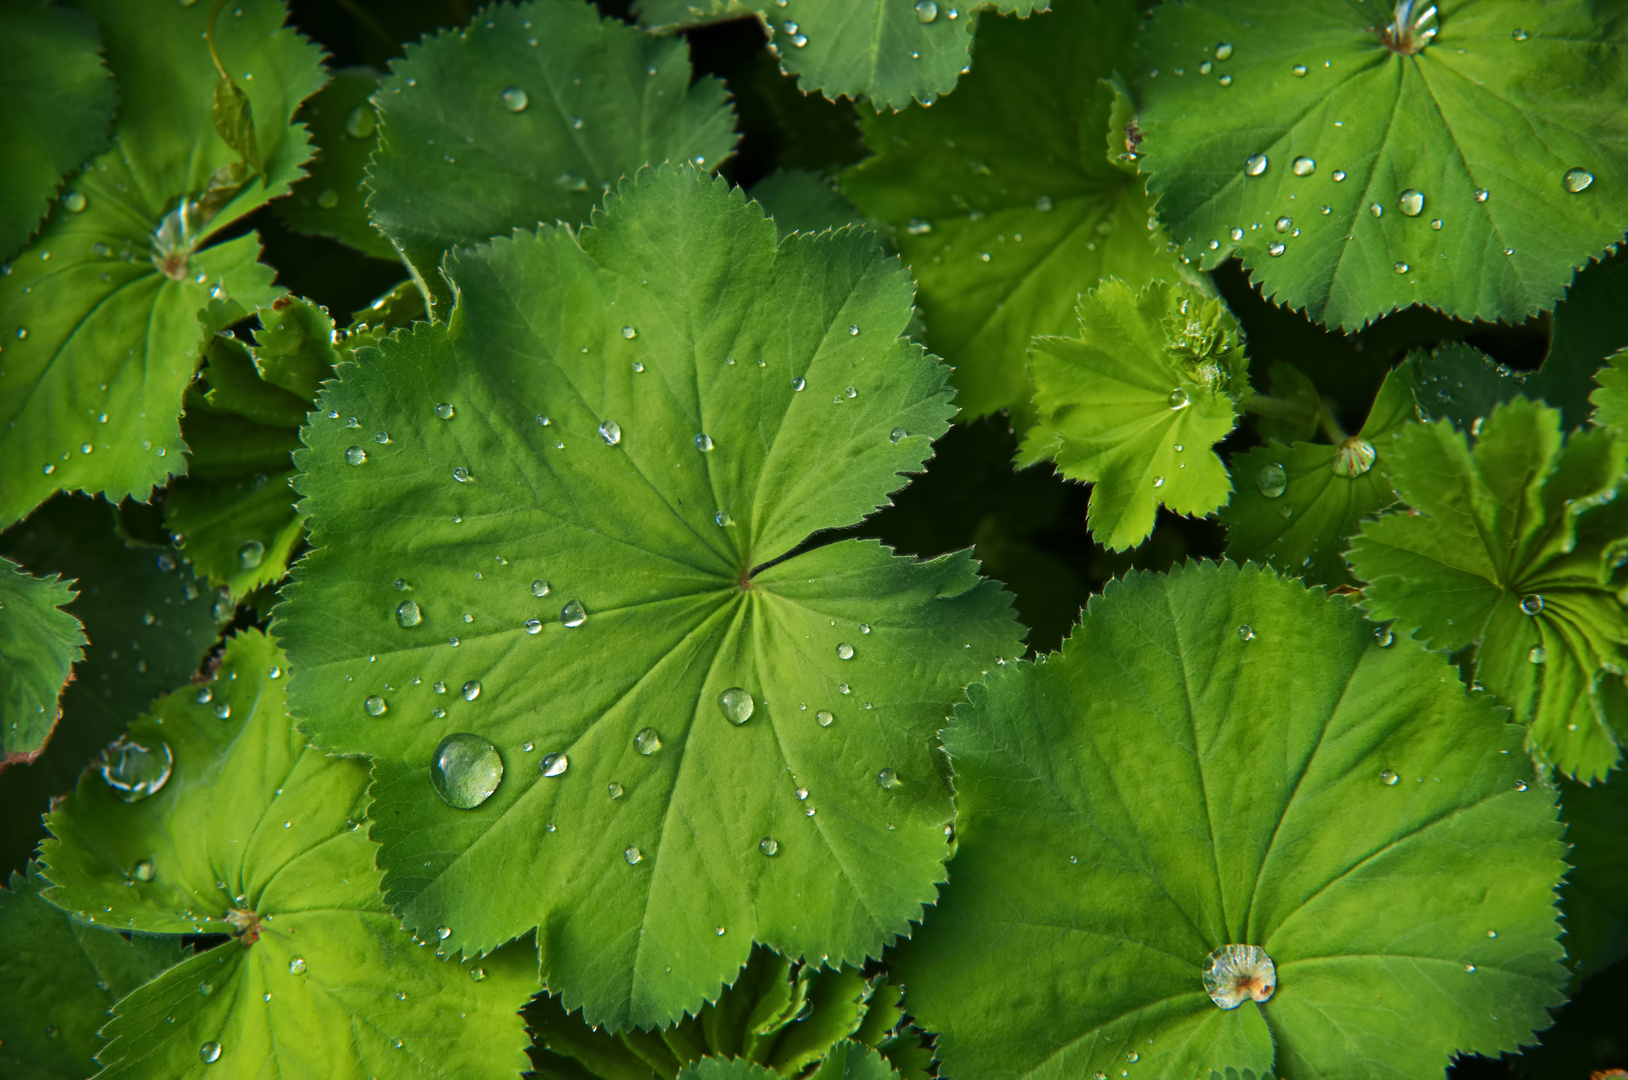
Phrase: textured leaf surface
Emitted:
{"points": [[1508, 98], [58, 979], [1462, 384], [496, 523], [1136, 403], [528, 117], [1595, 898], [1006, 213], [1514, 547], [39, 643], [1164, 787], [1296, 506], [332, 200], [59, 103], [149, 624], [256, 834], [101, 331]]}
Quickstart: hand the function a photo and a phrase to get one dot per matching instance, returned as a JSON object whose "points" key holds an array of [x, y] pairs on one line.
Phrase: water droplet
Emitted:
{"points": [[1255, 164], [1283, 224], [75, 201], [573, 614], [1481, 194], [1389, 778], [1401, 268], [1577, 180], [355, 455], [1492, 933], [1178, 398], [554, 764], [1223, 51], [918, 227], [823, 718], [1303, 166], [361, 122], [1520, 785], [1518, 34], [375, 705], [1277, 248], [1376, 209], [327, 198], [209, 1053], [223, 711], [408, 614], [1236, 233], [632, 855], [205, 989], [737, 705], [1384, 636], [443, 932], [1354, 457], [722, 519], [1272, 480], [444, 411], [135, 771], [926, 11], [465, 770], [1234, 973], [143, 870], [514, 98], [1299, 71], [614, 790], [768, 845], [1205, 68], [296, 966], [611, 432], [845, 651], [1246, 632], [1132, 1056], [570, 180], [647, 741], [477, 974], [534, 626], [1411, 202], [629, 333], [1532, 604], [471, 690], [1436, 224], [1538, 654], [887, 779], [853, 331], [798, 383], [250, 554]]}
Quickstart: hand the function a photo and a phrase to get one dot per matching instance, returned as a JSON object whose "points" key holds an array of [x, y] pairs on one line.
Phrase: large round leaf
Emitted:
{"points": [[1223, 757], [1470, 158], [567, 522]]}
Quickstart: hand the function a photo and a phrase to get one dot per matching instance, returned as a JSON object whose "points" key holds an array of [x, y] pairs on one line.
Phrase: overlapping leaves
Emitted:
{"points": [[571, 540], [1151, 384], [528, 116], [1164, 787], [332, 200], [1006, 212], [256, 835], [102, 312], [1467, 156], [39, 643], [1515, 547]]}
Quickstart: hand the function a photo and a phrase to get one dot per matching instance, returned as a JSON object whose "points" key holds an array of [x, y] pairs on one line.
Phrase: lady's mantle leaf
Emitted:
{"points": [[332, 200], [528, 116], [58, 979], [1137, 401], [101, 314], [1515, 547], [1472, 170], [39, 644], [1595, 897], [1611, 399], [1295, 506], [847, 1061], [59, 107], [256, 835], [574, 543], [1006, 213], [1164, 788]]}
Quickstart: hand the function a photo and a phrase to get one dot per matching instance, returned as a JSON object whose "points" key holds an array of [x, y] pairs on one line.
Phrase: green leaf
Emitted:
{"points": [[1514, 547], [1462, 384], [256, 835], [149, 624], [1296, 506], [726, 1069], [527, 117], [581, 592], [1589, 326], [233, 117], [1164, 786], [332, 200], [1005, 205], [1514, 98], [1148, 388], [1595, 897], [59, 104], [58, 979], [851, 1061], [1611, 399], [39, 643], [107, 302], [1298, 423], [800, 200]]}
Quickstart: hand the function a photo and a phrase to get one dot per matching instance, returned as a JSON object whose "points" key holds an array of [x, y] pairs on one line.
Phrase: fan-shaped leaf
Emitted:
{"points": [[586, 518], [39, 644], [1165, 787]]}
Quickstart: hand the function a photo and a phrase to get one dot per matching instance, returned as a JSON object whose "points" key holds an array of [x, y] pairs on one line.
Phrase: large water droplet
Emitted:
{"points": [[1255, 164], [1411, 202], [1283, 224], [1303, 166], [1577, 180], [1354, 457], [355, 455], [465, 770], [1532, 604], [611, 432], [209, 1053], [768, 845], [573, 614], [514, 98], [554, 764], [823, 718], [703, 443], [798, 383], [845, 651], [1273, 480], [408, 614], [375, 705], [1234, 973], [926, 11], [250, 554], [135, 771], [1178, 398], [471, 690], [737, 705], [361, 122], [647, 741]]}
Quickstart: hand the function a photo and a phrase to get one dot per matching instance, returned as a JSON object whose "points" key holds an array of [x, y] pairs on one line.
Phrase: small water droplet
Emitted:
{"points": [[514, 98], [296, 966], [375, 705], [736, 705], [614, 790], [1205, 68], [1255, 164], [1532, 604], [1283, 224], [143, 870], [209, 1053], [1384, 636], [722, 519], [647, 741], [1276, 248], [918, 227], [1236, 233], [823, 718], [1577, 180], [1401, 268], [1520, 785], [611, 432], [632, 855], [465, 770], [1178, 398], [361, 122], [1411, 202], [798, 383], [887, 779], [1492, 933], [1481, 194], [1436, 224], [1299, 71], [471, 690], [74, 201], [327, 198], [1376, 209], [444, 411], [1223, 51], [223, 711], [355, 455], [573, 614], [629, 333], [250, 554], [1303, 166], [1246, 632], [554, 764], [1389, 778], [1518, 34], [768, 845]]}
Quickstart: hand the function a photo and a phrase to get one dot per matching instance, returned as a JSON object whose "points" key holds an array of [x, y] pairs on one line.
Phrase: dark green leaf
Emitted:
{"points": [[800, 200], [1595, 898], [1589, 325], [1165, 786], [39, 643], [332, 201], [1462, 384]]}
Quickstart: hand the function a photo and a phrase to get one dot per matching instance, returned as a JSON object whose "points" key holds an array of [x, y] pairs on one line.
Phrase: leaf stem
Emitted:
{"points": [[1294, 412], [209, 39]]}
